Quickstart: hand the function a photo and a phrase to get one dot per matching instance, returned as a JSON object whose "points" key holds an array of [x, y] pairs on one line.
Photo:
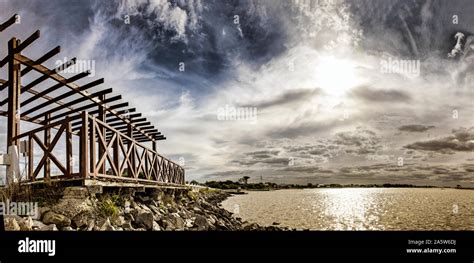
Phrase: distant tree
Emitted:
{"points": [[194, 182], [245, 179]]}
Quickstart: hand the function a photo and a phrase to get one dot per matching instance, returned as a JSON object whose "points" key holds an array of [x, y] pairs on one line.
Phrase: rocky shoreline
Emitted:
{"points": [[77, 209]]}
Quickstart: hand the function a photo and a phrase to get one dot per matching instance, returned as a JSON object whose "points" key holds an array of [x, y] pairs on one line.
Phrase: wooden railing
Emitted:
{"points": [[104, 153]]}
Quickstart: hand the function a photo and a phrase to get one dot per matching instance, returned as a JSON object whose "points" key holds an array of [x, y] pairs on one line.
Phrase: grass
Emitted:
{"points": [[108, 205]]}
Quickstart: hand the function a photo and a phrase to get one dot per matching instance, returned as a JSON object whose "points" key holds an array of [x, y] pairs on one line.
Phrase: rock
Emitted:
{"points": [[82, 219], [201, 222], [127, 226], [67, 228], [26, 224], [156, 226], [154, 209], [51, 227], [54, 218], [145, 218], [197, 209], [188, 223], [106, 225], [37, 225], [11, 224], [144, 198], [71, 207], [167, 225], [212, 220], [117, 220], [75, 193], [42, 211], [177, 221], [90, 225], [171, 208], [127, 207]]}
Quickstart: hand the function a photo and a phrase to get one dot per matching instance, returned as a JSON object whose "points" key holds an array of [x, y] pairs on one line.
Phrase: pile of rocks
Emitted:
{"points": [[129, 211]]}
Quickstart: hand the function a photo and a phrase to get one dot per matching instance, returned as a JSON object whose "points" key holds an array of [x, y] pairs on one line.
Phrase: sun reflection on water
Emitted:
{"points": [[352, 209]]}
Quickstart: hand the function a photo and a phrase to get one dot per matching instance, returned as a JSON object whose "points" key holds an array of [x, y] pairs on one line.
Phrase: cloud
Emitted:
{"points": [[415, 128], [461, 140], [369, 94], [288, 97]]}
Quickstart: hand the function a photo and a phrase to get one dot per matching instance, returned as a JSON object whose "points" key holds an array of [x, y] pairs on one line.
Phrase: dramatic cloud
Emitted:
{"points": [[415, 128], [383, 96], [462, 140]]}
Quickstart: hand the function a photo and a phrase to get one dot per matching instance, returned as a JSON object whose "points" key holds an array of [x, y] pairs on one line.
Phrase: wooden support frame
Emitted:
{"points": [[104, 141]]}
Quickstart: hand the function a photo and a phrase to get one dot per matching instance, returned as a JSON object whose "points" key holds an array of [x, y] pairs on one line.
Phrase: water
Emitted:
{"points": [[358, 208]]}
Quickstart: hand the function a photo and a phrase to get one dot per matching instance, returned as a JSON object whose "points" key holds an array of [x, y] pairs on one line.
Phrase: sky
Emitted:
{"points": [[284, 91]]}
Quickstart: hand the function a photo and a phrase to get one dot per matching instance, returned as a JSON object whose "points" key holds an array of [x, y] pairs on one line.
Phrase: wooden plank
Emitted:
{"points": [[30, 159], [76, 101], [120, 122], [59, 85], [116, 153], [122, 112], [69, 166], [92, 139], [8, 23], [84, 150], [131, 158], [82, 108], [38, 80], [27, 41], [62, 96], [101, 130], [130, 116], [14, 77], [47, 142]]}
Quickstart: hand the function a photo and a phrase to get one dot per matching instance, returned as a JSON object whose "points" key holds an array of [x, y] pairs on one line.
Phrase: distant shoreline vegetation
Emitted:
{"points": [[243, 184]]}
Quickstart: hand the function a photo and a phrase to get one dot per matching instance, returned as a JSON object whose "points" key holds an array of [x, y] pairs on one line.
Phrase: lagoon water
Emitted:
{"points": [[358, 208]]}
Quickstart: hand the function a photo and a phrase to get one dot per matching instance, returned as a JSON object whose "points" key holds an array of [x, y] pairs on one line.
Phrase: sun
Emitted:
{"points": [[335, 76]]}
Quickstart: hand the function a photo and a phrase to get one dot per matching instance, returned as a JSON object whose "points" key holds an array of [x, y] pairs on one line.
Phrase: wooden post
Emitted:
{"points": [[69, 166], [84, 151], [101, 117], [116, 153], [155, 163], [47, 141], [132, 154], [13, 122], [93, 148]]}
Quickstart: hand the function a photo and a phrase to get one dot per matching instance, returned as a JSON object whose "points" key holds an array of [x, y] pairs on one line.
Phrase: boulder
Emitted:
{"points": [[117, 220], [51, 227], [71, 207], [11, 224], [81, 220], [54, 218], [37, 225], [156, 226], [26, 224], [127, 226], [106, 225], [177, 221], [67, 228], [201, 222], [188, 223], [145, 219]]}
